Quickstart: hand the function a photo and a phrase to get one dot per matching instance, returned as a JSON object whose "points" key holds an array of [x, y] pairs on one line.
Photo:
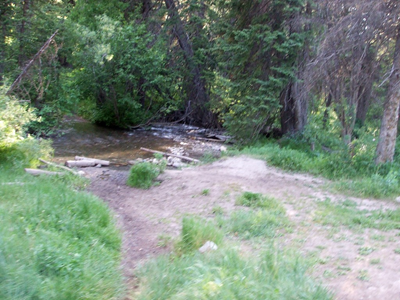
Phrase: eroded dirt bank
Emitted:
{"points": [[147, 215]]}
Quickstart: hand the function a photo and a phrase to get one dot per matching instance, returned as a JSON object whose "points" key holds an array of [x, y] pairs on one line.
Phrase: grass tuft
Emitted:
{"points": [[255, 200], [142, 175], [195, 233]]}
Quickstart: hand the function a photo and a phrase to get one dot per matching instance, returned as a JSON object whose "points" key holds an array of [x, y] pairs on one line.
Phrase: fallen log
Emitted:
{"points": [[97, 161], [37, 172], [59, 166], [170, 154], [206, 139], [80, 163]]}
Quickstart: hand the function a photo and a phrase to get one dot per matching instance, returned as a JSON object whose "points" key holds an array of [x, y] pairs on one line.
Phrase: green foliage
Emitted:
{"points": [[52, 240], [13, 119], [142, 175], [195, 233], [122, 77], [15, 145], [256, 54]]}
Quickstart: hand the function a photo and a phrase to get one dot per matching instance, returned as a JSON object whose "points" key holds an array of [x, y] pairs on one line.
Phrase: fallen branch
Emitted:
{"points": [[27, 67], [80, 163], [169, 154], [37, 172], [59, 166], [97, 161]]}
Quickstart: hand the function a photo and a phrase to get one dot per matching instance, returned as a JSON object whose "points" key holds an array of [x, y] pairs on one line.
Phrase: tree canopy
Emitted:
{"points": [[323, 70]]}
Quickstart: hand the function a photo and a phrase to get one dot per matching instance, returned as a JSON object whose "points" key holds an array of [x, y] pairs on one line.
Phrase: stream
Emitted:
{"points": [[79, 137]]}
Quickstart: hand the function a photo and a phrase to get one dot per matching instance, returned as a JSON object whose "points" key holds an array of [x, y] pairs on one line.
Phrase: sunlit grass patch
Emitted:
{"points": [[329, 213], [376, 186]]}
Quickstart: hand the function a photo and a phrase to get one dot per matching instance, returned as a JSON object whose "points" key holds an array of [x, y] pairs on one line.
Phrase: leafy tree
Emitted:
{"points": [[257, 52], [122, 78]]}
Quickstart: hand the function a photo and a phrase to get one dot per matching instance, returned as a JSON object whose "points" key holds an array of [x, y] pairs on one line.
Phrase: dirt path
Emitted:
{"points": [[148, 217]]}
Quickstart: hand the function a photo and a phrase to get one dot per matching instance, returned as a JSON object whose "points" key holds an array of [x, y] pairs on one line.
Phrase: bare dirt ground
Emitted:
{"points": [[148, 217]]}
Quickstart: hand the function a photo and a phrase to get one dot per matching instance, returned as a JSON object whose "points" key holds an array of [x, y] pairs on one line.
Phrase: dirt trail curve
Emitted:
{"points": [[145, 215]]}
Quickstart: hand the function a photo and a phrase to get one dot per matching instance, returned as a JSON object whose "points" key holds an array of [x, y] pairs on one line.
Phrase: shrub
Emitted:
{"points": [[15, 145]]}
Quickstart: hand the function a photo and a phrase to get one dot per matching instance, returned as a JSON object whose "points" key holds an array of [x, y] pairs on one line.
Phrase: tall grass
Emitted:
{"points": [[55, 242]]}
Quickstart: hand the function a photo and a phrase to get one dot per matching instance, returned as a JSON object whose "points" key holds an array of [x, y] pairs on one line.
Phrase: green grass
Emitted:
{"points": [[205, 192], [354, 174], [329, 213], [261, 223], [227, 274], [255, 200], [55, 242], [266, 218], [142, 175]]}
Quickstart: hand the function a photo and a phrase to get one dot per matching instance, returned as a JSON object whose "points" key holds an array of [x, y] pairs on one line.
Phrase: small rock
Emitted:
{"points": [[208, 246], [398, 199], [179, 165], [223, 149], [98, 166]]}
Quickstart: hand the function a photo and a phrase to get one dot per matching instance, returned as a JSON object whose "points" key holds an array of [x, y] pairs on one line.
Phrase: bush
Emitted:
{"points": [[15, 145]]}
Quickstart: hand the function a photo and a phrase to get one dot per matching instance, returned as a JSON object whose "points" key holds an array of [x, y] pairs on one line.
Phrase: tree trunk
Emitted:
{"points": [[294, 109], [196, 90], [288, 117], [387, 137], [294, 103]]}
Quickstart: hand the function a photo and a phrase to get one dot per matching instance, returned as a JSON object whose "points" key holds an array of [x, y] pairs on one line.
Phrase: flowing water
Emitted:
{"points": [[81, 138]]}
